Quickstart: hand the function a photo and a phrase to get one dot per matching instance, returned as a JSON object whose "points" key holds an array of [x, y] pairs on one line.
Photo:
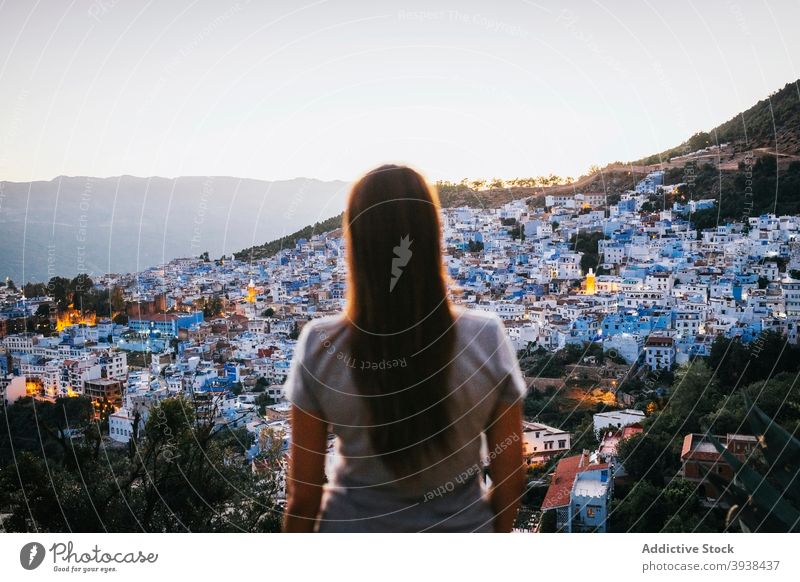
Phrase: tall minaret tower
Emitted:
{"points": [[591, 282], [251, 298]]}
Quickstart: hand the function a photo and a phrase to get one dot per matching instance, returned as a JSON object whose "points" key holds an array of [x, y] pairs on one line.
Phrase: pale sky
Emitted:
{"points": [[328, 89]]}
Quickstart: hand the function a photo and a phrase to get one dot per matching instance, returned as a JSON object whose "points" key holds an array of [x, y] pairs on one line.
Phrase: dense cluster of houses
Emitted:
{"points": [[665, 292]]}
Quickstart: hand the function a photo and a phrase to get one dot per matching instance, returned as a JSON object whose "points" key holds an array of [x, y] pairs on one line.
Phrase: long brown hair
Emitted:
{"points": [[399, 315]]}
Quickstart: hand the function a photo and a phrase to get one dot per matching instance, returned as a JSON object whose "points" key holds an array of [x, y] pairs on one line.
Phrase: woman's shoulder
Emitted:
{"points": [[483, 341], [318, 334], [483, 334], [477, 322], [325, 324]]}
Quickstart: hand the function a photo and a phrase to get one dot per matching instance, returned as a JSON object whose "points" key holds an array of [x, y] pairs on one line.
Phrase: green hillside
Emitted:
{"points": [[270, 248], [772, 123]]}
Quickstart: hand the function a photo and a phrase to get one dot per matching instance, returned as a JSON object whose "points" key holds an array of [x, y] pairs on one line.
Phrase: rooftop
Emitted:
{"points": [[588, 487], [564, 477]]}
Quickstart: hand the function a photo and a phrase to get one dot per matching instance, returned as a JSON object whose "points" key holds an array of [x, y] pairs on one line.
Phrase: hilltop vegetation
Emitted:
{"points": [[754, 188], [772, 123], [452, 195], [270, 248]]}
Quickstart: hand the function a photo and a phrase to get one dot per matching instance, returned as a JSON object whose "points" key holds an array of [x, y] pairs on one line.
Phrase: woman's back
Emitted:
{"points": [[445, 493], [406, 382]]}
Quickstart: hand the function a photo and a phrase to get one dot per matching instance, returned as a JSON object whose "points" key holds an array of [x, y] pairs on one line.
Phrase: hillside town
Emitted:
{"points": [[603, 297]]}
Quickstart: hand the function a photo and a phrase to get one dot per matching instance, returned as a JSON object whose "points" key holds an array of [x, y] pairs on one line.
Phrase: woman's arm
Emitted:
{"points": [[306, 472], [504, 438]]}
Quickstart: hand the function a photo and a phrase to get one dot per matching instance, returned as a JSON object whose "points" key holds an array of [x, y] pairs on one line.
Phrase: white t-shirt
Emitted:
{"points": [[447, 495]]}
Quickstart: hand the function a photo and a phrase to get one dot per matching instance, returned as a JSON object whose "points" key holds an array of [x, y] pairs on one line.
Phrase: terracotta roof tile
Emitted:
{"points": [[563, 478]]}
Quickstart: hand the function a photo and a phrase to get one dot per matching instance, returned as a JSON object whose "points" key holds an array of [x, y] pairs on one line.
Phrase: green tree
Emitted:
{"points": [[117, 299], [647, 508], [475, 246], [549, 522], [639, 511], [81, 290], [587, 244], [34, 290], [262, 401], [59, 289], [184, 475], [777, 397], [213, 307], [39, 426], [648, 457], [686, 510], [693, 395], [728, 358]]}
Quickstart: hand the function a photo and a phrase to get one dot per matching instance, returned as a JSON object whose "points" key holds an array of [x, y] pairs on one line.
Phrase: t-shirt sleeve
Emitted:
{"points": [[512, 385], [300, 386]]}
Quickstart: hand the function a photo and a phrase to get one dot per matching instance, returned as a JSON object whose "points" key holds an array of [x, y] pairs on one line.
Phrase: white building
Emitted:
{"points": [[687, 323], [616, 418], [626, 345], [508, 311], [659, 352], [120, 425], [791, 297], [541, 442], [561, 201], [568, 266]]}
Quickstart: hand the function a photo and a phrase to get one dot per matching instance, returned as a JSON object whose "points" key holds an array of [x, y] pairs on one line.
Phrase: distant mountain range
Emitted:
{"points": [[72, 225]]}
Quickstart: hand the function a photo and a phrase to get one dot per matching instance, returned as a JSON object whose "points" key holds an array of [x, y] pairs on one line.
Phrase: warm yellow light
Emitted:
{"points": [[608, 398], [591, 283], [74, 317]]}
